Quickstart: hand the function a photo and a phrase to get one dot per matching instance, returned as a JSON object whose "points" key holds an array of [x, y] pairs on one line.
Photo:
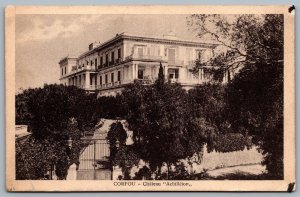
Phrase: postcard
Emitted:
{"points": [[150, 98]]}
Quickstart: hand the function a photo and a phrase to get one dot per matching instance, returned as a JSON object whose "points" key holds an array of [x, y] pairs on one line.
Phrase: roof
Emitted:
{"points": [[124, 36], [66, 58]]}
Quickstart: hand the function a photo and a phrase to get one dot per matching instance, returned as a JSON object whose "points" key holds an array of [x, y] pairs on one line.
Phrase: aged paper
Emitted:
{"points": [[103, 50]]}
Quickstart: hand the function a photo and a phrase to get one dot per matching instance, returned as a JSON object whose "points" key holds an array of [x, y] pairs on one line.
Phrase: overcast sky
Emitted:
{"points": [[42, 40]]}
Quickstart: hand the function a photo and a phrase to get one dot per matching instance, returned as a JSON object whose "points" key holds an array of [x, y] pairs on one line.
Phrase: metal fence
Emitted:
{"points": [[94, 164]]}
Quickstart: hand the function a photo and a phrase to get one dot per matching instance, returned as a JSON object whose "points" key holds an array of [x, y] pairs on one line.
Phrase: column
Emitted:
{"points": [[225, 77], [87, 80], [123, 75], [132, 72], [136, 71], [166, 72], [199, 75]]}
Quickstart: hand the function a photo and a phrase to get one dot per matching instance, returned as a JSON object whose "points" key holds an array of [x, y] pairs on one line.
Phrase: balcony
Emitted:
{"points": [[191, 63], [145, 57], [108, 85], [145, 81], [87, 67], [175, 62], [119, 60], [88, 87], [117, 83]]}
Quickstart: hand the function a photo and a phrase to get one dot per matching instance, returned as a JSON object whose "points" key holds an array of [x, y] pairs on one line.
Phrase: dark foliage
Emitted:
{"points": [[254, 98], [48, 110], [54, 114], [110, 107], [158, 114], [143, 174]]}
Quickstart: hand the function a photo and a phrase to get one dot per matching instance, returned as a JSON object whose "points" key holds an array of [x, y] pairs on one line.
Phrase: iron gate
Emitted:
{"points": [[94, 163]]}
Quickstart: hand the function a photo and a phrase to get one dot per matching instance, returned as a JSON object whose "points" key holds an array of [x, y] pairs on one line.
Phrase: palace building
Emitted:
{"points": [[105, 68]]}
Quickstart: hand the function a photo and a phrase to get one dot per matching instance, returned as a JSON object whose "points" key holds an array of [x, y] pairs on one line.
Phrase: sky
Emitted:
{"points": [[42, 40]]}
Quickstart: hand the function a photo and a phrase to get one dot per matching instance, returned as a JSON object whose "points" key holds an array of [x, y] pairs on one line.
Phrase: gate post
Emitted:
{"points": [[94, 160]]}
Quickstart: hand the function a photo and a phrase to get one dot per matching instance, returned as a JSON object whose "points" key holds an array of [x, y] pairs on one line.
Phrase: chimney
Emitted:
{"points": [[93, 45]]}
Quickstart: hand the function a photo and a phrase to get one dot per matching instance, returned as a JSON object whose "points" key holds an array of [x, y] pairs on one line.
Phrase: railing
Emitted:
{"points": [[176, 62], [190, 63], [151, 57], [87, 67], [108, 85], [87, 87], [119, 60], [145, 81], [111, 63]]}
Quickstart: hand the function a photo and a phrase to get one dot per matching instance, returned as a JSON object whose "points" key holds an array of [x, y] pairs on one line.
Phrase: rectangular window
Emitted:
{"points": [[112, 57], [119, 75], [96, 62], [188, 55], [101, 61], [65, 70], [119, 53], [106, 59], [100, 80], [199, 54], [173, 73], [106, 79], [171, 56], [140, 52], [140, 74], [176, 73], [112, 77], [96, 80], [91, 80]]}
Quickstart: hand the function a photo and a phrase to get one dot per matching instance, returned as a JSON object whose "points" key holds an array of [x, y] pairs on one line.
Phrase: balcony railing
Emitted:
{"points": [[117, 83], [145, 81], [108, 85], [87, 67], [111, 63], [119, 60], [190, 63], [151, 57], [87, 87], [175, 62]]}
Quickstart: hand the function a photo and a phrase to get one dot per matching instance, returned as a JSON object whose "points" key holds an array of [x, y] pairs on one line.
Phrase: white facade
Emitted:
{"points": [[106, 68]]}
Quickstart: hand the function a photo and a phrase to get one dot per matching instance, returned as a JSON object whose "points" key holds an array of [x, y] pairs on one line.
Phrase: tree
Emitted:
{"points": [[54, 114], [120, 154], [160, 119], [252, 46], [49, 109], [110, 107], [117, 139]]}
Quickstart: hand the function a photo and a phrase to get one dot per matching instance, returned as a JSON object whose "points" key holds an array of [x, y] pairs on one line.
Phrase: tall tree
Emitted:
{"points": [[163, 130], [54, 114], [252, 46]]}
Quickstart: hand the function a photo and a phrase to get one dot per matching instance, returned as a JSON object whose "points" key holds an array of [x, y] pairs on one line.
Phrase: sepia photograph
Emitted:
{"points": [[136, 98]]}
